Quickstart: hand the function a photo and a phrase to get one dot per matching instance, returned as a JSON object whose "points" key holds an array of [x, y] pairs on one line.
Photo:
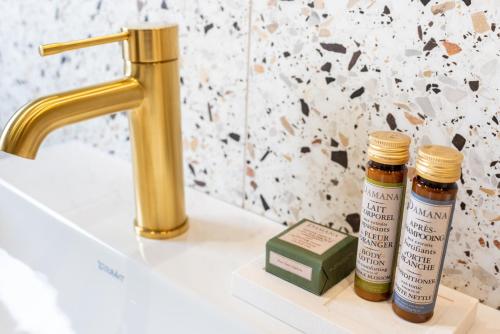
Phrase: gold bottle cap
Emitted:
{"points": [[389, 147], [439, 163]]}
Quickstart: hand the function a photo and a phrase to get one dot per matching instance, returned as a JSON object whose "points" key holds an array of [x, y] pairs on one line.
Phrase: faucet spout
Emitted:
{"points": [[29, 126]]}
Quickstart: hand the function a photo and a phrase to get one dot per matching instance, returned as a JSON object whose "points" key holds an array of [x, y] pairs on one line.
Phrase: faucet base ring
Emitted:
{"points": [[161, 234]]}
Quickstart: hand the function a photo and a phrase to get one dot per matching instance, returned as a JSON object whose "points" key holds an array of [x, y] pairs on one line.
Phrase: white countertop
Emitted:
{"points": [[94, 190]]}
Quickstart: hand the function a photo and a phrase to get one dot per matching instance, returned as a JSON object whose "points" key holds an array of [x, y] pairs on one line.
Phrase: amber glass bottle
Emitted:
{"points": [[428, 222], [383, 198]]}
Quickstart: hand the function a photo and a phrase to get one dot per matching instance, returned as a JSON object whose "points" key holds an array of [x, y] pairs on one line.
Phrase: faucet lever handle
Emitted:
{"points": [[54, 48]]}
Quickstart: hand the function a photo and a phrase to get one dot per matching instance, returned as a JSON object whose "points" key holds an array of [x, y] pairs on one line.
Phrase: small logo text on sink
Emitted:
{"points": [[110, 271]]}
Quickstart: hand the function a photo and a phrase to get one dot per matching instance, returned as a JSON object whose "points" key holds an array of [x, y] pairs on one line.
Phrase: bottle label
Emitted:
{"points": [[422, 253], [380, 217]]}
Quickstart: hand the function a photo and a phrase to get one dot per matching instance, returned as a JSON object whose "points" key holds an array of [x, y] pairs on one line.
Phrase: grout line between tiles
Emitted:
{"points": [[247, 92]]}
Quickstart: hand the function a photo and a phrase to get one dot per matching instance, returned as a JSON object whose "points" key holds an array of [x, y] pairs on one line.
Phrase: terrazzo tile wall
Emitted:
{"points": [[325, 73], [279, 97]]}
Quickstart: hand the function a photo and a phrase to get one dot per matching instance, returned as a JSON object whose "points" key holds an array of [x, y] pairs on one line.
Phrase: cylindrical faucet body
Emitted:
{"points": [[156, 135]]}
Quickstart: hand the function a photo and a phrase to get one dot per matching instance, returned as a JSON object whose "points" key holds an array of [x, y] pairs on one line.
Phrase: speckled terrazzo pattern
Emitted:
{"points": [[325, 73], [321, 75], [214, 84]]}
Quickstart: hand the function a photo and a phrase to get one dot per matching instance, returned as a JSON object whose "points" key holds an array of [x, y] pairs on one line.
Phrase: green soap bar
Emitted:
{"points": [[311, 256]]}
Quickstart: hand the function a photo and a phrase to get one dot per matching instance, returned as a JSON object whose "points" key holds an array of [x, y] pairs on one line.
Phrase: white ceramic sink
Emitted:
{"points": [[56, 278], [83, 270]]}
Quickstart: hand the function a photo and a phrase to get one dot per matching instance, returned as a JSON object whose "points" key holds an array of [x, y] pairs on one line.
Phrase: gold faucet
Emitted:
{"points": [[151, 91]]}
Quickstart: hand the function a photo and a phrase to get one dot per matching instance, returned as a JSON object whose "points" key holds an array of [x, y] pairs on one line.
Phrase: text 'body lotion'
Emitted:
{"points": [[381, 211]]}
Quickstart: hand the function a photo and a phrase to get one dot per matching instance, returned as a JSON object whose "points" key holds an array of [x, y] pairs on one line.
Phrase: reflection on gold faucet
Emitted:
{"points": [[151, 92]]}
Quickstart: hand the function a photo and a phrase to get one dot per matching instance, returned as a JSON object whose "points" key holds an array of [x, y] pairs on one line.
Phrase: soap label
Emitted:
{"points": [[313, 237], [378, 232], [290, 265], [422, 253]]}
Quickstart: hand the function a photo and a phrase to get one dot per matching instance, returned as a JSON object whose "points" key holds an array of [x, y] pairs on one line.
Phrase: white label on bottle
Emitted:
{"points": [[378, 230], [290, 265], [313, 237], [422, 250]]}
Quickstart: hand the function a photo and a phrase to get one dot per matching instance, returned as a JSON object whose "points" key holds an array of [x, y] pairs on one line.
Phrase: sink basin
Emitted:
{"points": [[57, 278], [71, 262]]}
